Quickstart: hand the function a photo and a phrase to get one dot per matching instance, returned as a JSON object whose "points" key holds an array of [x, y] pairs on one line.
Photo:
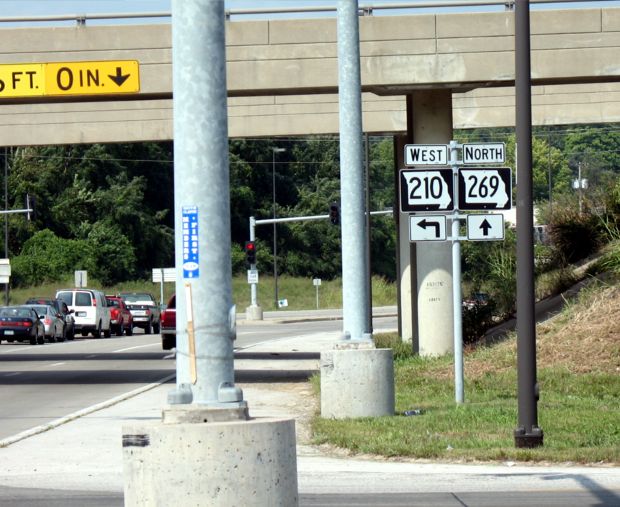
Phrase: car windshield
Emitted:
{"points": [[134, 298], [40, 309], [15, 312], [113, 302]]}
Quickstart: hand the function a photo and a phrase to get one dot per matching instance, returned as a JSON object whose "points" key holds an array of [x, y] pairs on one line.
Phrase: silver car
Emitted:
{"points": [[52, 321]]}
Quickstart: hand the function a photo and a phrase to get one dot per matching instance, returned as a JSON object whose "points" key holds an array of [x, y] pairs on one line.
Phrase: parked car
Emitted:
{"points": [[90, 311], [62, 308], [120, 316], [169, 325], [475, 300], [21, 323], [53, 322], [144, 309]]}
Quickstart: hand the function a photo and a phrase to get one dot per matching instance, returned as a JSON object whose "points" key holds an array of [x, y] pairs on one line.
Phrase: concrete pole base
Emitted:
{"points": [[254, 312], [248, 463], [357, 383]]}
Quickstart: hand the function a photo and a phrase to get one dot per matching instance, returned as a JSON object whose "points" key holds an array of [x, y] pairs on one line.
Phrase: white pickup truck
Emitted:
{"points": [[144, 310]]}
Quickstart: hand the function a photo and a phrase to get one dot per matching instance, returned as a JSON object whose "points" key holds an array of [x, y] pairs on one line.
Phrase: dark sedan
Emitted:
{"points": [[21, 323]]}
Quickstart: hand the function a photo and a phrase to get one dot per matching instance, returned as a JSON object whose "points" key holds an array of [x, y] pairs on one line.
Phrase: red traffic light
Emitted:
{"points": [[250, 252]]}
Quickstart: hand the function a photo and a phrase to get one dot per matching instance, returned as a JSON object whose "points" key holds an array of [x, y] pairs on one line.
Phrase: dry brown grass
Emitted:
{"points": [[585, 338]]}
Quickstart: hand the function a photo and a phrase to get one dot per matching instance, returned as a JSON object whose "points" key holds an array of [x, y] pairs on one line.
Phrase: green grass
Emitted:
{"points": [[579, 417], [299, 292]]}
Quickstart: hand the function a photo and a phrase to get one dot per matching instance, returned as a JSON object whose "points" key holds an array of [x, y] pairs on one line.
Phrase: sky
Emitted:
{"points": [[14, 8]]}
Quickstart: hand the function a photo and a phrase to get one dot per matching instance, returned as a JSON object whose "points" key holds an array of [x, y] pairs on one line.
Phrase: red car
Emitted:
{"points": [[120, 316], [169, 325]]}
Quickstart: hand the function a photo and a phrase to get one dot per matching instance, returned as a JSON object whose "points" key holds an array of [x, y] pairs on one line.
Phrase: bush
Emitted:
{"points": [[477, 319], [46, 258], [574, 235]]}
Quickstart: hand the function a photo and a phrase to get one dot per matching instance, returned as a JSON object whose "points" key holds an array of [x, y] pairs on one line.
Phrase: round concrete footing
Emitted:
{"points": [[357, 383], [254, 312], [245, 463]]}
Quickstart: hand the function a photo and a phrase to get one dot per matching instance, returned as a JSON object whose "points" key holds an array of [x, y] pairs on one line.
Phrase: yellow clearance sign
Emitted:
{"points": [[69, 78]]}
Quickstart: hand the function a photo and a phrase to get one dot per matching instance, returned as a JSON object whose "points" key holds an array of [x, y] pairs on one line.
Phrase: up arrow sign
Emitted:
{"points": [[485, 226]]}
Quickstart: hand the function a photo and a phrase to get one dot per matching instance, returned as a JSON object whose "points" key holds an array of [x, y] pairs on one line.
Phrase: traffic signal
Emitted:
{"points": [[31, 202], [250, 252], [334, 213]]}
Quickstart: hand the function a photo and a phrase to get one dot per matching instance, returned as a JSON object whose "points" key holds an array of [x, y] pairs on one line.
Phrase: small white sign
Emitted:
{"points": [[81, 278], [484, 153], [282, 303], [5, 268], [164, 275], [426, 154], [427, 227], [485, 227], [252, 276], [316, 282]]}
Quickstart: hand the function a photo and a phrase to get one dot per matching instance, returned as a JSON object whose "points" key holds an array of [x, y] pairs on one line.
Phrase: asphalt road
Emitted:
{"points": [[17, 497], [42, 383]]}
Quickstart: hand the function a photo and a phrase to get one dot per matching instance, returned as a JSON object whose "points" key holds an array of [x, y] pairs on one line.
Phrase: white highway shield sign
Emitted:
{"points": [[427, 227], [426, 190], [426, 154], [485, 227], [485, 188]]}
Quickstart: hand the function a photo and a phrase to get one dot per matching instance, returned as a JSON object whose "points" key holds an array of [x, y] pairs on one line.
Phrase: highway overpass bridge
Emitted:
{"points": [[422, 76], [282, 74]]}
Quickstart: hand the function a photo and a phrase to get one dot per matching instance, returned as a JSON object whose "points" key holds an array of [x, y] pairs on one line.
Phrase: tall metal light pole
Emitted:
{"points": [[275, 237], [6, 217], [528, 433]]}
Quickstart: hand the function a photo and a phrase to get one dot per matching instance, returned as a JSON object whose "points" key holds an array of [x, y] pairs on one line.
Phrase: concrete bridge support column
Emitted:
{"points": [[426, 294]]}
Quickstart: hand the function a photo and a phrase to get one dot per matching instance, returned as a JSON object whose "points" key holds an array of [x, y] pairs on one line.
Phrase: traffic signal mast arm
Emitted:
{"points": [[254, 222]]}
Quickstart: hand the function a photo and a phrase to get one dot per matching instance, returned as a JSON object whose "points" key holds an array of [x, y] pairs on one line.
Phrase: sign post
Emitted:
{"points": [[442, 189], [317, 283]]}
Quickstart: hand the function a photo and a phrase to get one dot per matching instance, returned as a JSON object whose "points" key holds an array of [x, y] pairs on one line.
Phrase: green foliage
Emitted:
{"points": [[574, 235], [400, 349], [113, 254], [46, 258], [477, 319]]}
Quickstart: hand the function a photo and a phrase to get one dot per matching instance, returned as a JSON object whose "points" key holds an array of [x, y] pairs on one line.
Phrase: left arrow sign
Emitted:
{"points": [[427, 228]]}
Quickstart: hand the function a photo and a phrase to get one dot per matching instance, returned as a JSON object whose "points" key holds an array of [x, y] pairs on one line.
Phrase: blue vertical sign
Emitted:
{"points": [[190, 242]]}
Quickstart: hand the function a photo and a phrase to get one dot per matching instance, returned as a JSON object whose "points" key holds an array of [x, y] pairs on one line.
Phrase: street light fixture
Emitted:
{"points": [[275, 247]]}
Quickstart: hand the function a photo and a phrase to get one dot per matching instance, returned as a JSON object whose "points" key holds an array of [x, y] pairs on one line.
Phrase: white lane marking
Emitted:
{"points": [[21, 349], [81, 413], [57, 364], [12, 374], [136, 347], [90, 356]]}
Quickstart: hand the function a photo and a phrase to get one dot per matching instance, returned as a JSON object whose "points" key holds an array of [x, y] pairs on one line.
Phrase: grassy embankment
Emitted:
{"points": [[578, 359]]}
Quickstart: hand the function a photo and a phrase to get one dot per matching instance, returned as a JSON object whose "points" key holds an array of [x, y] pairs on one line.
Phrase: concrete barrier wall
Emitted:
{"points": [[276, 66]]}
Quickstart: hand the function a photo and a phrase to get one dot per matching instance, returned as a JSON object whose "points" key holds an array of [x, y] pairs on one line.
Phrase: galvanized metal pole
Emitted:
{"points": [[368, 224], [6, 217], [355, 290], [201, 194], [527, 434], [253, 288], [459, 389]]}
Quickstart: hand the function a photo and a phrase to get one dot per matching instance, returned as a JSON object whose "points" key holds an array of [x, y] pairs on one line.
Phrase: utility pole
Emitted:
{"points": [[275, 240], [527, 434]]}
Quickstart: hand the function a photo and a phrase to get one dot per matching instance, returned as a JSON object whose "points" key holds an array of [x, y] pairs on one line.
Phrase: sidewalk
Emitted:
{"points": [[85, 454]]}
